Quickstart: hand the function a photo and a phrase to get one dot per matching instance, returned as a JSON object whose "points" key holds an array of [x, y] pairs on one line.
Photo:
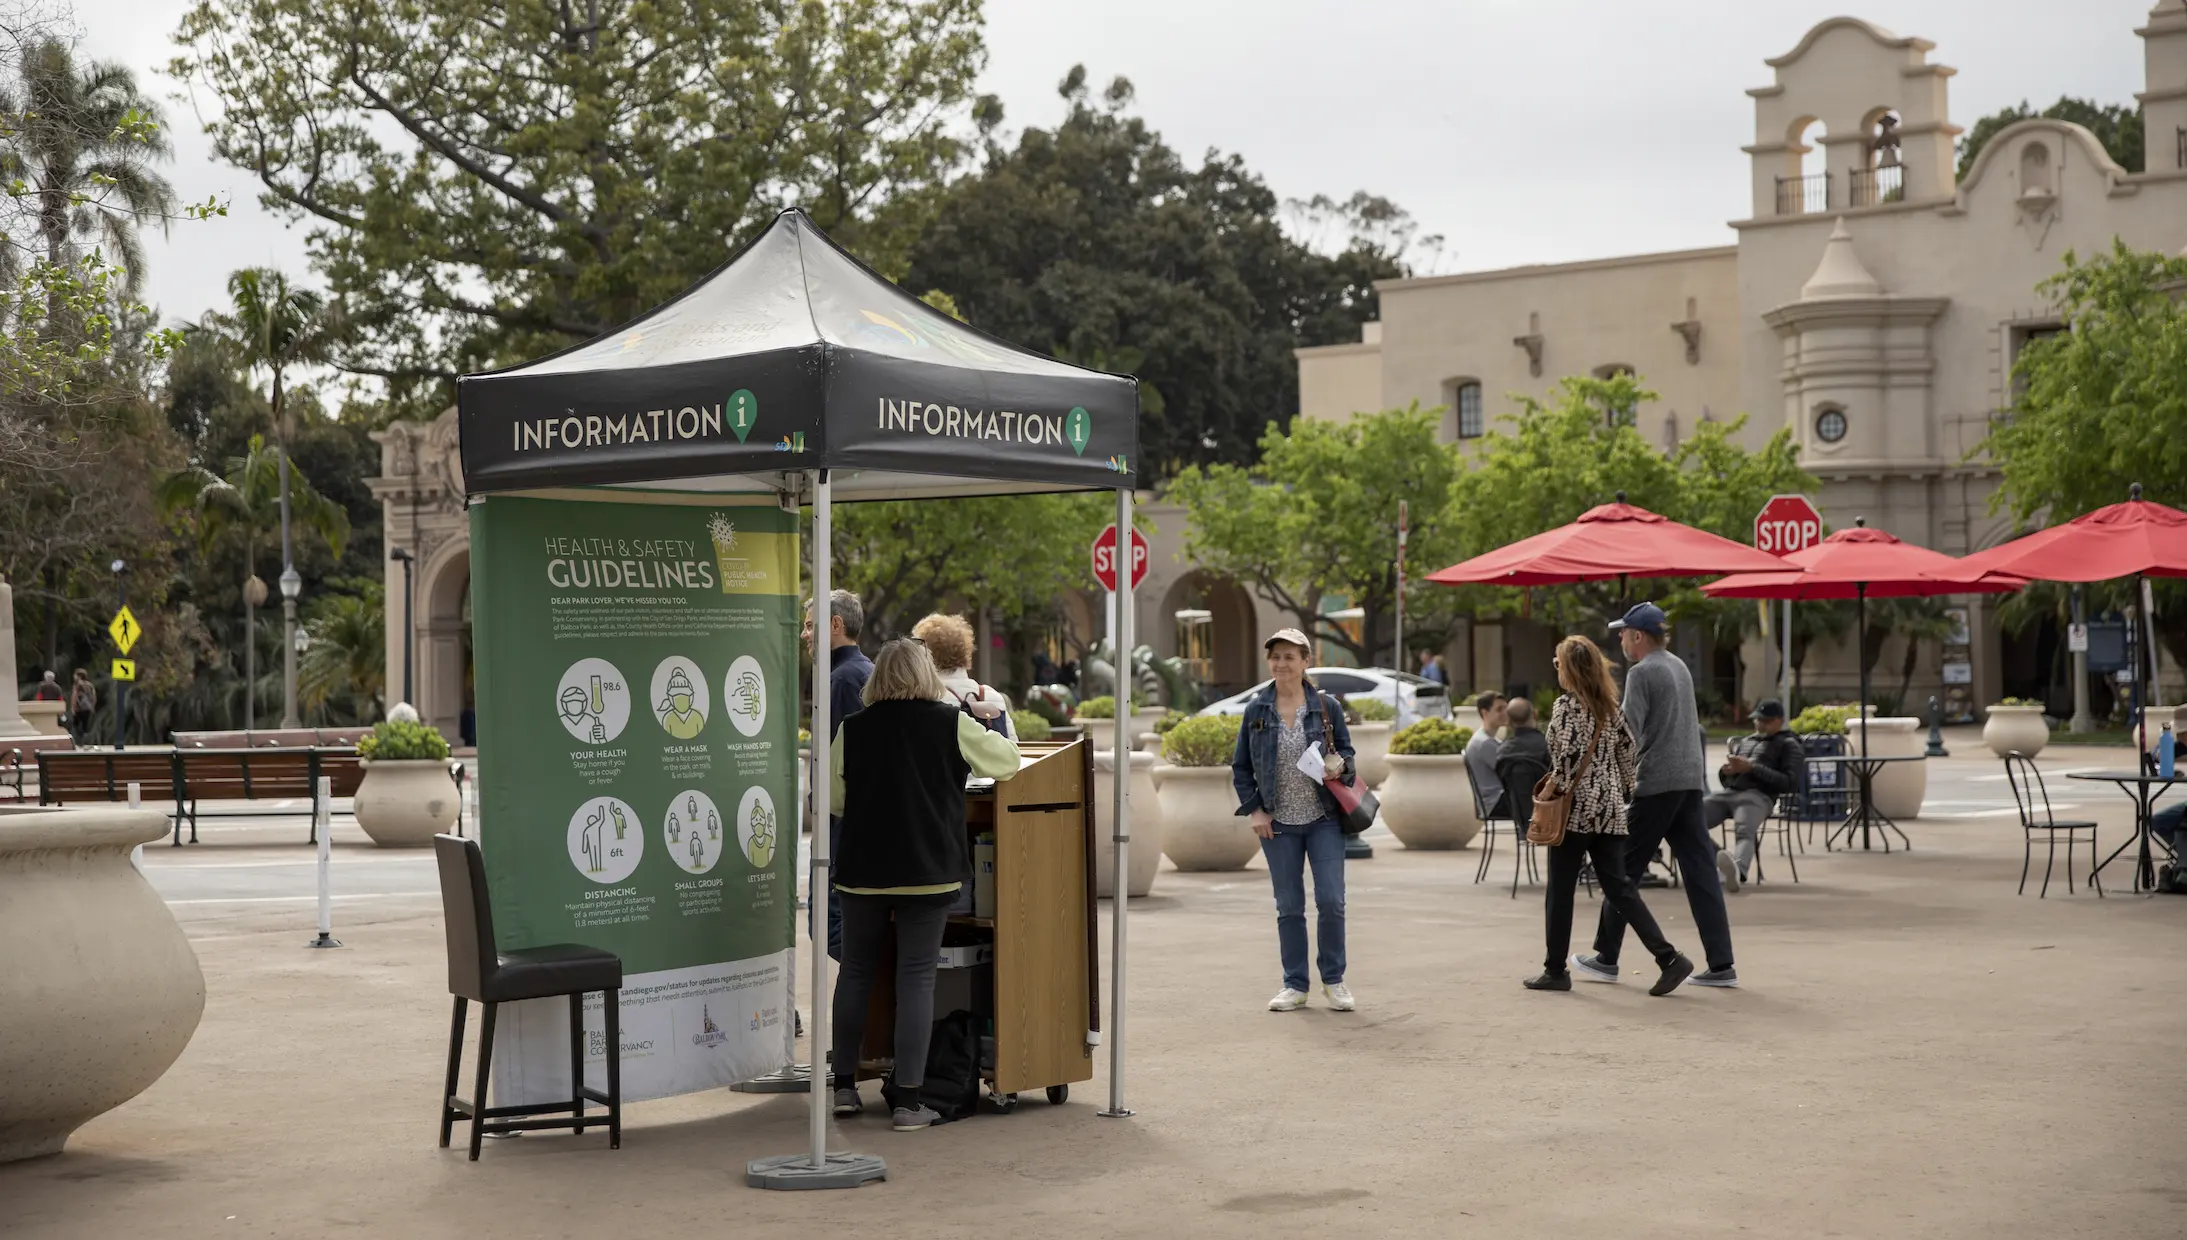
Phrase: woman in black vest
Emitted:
{"points": [[899, 768]]}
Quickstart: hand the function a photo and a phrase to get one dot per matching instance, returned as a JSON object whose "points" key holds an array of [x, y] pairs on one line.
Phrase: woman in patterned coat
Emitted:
{"points": [[1587, 715]]}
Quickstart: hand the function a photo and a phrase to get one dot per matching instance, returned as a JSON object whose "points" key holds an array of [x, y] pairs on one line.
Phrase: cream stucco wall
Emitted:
{"points": [[1339, 380]]}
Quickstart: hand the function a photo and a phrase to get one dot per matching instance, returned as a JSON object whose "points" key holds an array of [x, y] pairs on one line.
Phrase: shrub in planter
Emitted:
{"points": [[1426, 802], [1370, 710], [1103, 707], [397, 741], [407, 796], [1430, 737], [1821, 721], [1201, 826], [1371, 720], [1169, 719], [1031, 725]]}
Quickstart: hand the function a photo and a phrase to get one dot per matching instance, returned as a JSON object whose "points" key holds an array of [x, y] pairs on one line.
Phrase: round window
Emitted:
{"points": [[1830, 425]]}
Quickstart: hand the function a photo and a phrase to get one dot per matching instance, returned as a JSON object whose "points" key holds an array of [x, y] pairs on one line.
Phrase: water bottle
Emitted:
{"points": [[2167, 750]]}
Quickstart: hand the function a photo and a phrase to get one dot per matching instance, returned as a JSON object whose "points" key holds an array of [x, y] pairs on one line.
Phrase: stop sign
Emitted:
{"points": [[1787, 523], [1104, 558]]}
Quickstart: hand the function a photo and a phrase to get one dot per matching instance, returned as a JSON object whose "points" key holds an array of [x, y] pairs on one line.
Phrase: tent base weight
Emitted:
{"points": [[796, 1171]]}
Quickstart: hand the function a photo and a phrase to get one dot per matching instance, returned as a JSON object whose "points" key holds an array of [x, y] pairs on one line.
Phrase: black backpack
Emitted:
{"points": [[952, 1087]]}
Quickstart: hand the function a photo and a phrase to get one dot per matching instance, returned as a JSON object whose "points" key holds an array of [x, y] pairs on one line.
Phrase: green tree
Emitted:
{"points": [[1016, 554], [243, 506], [1317, 517], [1095, 241], [2116, 126], [81, 140], [488, 182], [345, 670], [2101, 407]]}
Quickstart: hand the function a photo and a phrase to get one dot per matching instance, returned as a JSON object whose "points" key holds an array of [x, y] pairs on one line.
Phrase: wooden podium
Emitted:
{"points": [[1044, 998]]}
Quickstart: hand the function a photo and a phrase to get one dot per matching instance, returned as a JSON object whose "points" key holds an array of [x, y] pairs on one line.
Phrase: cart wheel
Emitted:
{"points": [[1059, 1094], [1004, 1103]]}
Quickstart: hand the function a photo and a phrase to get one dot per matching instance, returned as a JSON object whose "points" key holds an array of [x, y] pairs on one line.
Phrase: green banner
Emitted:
{"points": [[636, 663]]}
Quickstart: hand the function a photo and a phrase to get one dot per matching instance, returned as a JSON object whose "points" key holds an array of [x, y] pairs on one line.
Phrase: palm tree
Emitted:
{"points": [[79, 138], [348, 656], [277, 327], [250, 499]]}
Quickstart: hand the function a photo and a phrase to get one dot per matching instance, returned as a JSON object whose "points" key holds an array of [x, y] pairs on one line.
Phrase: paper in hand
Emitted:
{"points": [[1310, 764]]}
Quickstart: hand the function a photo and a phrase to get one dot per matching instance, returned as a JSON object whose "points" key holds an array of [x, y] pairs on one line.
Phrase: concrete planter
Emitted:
{"points": [[2016, 728], [404, 804], [1201, 826], [1427, 803], [1148, 742], [1146, 825], [101, 992], [1142, 727], [1900, 786], [1371, 749], [44, 716]]}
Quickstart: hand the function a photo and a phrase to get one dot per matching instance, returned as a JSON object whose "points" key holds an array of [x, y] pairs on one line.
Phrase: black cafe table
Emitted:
{"points": [[1863, 816], [2143, 789]]}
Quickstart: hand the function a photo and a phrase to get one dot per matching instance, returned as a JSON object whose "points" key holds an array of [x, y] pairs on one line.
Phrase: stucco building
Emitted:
{"points": [[1870, 301]]}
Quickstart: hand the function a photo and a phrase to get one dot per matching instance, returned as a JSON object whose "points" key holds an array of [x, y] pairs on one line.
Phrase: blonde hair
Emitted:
{"points": [[948, 639], [904, 671], [1585, 674]]}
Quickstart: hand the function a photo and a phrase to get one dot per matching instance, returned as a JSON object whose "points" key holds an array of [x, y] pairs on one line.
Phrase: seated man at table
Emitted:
{"points": [[1761, 767], [1481, 754], [2165, 825], [1524, 757]]}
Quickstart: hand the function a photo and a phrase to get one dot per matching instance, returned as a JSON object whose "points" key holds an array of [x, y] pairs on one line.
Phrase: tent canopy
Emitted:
{"points": [[795, 356]]}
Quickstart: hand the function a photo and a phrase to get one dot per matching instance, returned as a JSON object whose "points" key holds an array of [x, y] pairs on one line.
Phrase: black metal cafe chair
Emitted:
{"points": [[1491, 826], [2033, 799], [479, 973]]}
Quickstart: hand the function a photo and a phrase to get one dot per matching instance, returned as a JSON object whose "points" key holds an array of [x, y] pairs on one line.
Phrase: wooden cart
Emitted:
{"points": [[1045, 990]]}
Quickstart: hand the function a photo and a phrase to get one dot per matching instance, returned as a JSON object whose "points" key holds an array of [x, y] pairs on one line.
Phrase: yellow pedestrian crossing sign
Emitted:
{"points": [[124, 630], [125, 669]]}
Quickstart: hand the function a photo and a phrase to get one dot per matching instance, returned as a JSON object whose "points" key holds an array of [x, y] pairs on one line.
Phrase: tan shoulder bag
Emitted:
{"points": [[1553, 809]]}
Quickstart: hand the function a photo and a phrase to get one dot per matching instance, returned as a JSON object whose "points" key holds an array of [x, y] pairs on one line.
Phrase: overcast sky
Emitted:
{"points": [[1523, 131]]}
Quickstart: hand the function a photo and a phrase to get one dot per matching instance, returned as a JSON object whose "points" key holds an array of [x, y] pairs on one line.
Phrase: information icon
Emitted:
{"points": [[692, 829], [744, 694], [756, 827], [593, 701], [605, 840]]}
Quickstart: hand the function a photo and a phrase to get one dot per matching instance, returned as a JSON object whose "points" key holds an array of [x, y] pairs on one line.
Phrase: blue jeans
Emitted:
{"points": [[2166, 823], [1288, 853]]}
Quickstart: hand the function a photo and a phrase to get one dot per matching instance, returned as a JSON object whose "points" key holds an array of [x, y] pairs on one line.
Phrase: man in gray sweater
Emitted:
{"points": [[1666, 808]]}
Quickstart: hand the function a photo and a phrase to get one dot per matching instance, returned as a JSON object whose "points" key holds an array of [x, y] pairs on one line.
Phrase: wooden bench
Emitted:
{"points": [[74, 776], [283, 738], [189, 777], [16, 749]]}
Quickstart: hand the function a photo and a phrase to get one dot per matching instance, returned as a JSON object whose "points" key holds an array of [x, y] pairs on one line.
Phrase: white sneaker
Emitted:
{"points": [[1287, 1000], [1728, 867], [1340, 998]]}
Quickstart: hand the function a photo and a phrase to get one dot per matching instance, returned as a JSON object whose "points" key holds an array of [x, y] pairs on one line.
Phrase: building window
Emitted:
{"points": [[1471, 425], [1830, 424]]}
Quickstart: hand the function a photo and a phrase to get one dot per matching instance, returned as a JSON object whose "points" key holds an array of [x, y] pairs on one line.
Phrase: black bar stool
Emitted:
{"points": [[477, 972]]}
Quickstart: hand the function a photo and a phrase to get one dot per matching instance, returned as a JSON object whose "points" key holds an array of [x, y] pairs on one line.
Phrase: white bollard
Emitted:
{"points": [[322, 800], [136, 801]]}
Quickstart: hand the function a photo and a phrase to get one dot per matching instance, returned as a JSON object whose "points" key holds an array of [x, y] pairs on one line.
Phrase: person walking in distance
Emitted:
{"points": [[1666, 806], [1594, 758], [1296, 817]]}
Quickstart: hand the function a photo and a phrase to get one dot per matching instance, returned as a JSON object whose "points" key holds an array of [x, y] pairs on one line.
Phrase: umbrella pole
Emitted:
{"points": [[2149, 642], [1860, 621]]}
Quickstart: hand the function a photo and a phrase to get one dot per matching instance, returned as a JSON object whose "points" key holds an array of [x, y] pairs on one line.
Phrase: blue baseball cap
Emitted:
{"points": [[1647, 617]]}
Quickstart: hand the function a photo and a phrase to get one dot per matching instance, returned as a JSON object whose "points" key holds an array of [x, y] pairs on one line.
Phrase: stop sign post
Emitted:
{"points": [[1104, 558], [1787, 523]]}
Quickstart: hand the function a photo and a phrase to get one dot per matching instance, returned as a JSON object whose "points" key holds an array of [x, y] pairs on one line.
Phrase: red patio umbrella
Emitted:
{"points": [[2139, 538], [1861, 563], [1615, 540]]}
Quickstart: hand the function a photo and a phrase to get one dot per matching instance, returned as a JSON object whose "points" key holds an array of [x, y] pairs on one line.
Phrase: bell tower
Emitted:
{"points": [[2164, 94], [1885, 122]]}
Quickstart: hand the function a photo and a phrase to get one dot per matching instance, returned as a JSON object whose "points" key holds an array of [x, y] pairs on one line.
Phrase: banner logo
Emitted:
{"points": [[1078, 425], [743, 412]]}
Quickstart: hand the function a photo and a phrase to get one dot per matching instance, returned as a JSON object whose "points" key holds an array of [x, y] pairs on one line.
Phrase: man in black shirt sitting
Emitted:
{"points": [[1761, 767]]}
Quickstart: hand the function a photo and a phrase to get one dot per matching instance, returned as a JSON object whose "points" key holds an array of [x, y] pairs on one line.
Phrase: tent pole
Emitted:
{"points": [[1120, 767], [816, 1169], [823, 790]]}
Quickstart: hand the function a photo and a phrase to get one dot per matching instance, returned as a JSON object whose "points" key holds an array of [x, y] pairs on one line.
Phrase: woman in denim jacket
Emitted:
{"points": [[1296, 818]]}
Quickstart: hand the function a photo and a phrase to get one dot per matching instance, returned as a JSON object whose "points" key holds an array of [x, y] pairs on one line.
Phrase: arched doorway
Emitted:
{"points": [[443, 644], [1210, 621]]}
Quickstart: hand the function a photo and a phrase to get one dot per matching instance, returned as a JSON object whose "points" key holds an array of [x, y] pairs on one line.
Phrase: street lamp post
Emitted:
{"points": [[121, 687], [254, 597], [292, 584], [402, 556]]}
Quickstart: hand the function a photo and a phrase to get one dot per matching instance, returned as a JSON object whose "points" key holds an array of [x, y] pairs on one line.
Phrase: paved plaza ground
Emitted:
{"points": [[1917, 1051]]}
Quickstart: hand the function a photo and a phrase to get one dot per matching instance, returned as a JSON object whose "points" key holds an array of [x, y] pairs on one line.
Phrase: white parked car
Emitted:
{"points": [[1414, 697]]}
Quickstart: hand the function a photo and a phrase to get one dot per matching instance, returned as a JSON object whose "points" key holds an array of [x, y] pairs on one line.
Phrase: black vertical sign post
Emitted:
{"points": [[121, 687]]}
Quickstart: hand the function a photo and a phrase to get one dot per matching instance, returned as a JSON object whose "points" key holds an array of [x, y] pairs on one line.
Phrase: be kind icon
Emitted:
{"points": [[605, 840], [692, 829]]}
